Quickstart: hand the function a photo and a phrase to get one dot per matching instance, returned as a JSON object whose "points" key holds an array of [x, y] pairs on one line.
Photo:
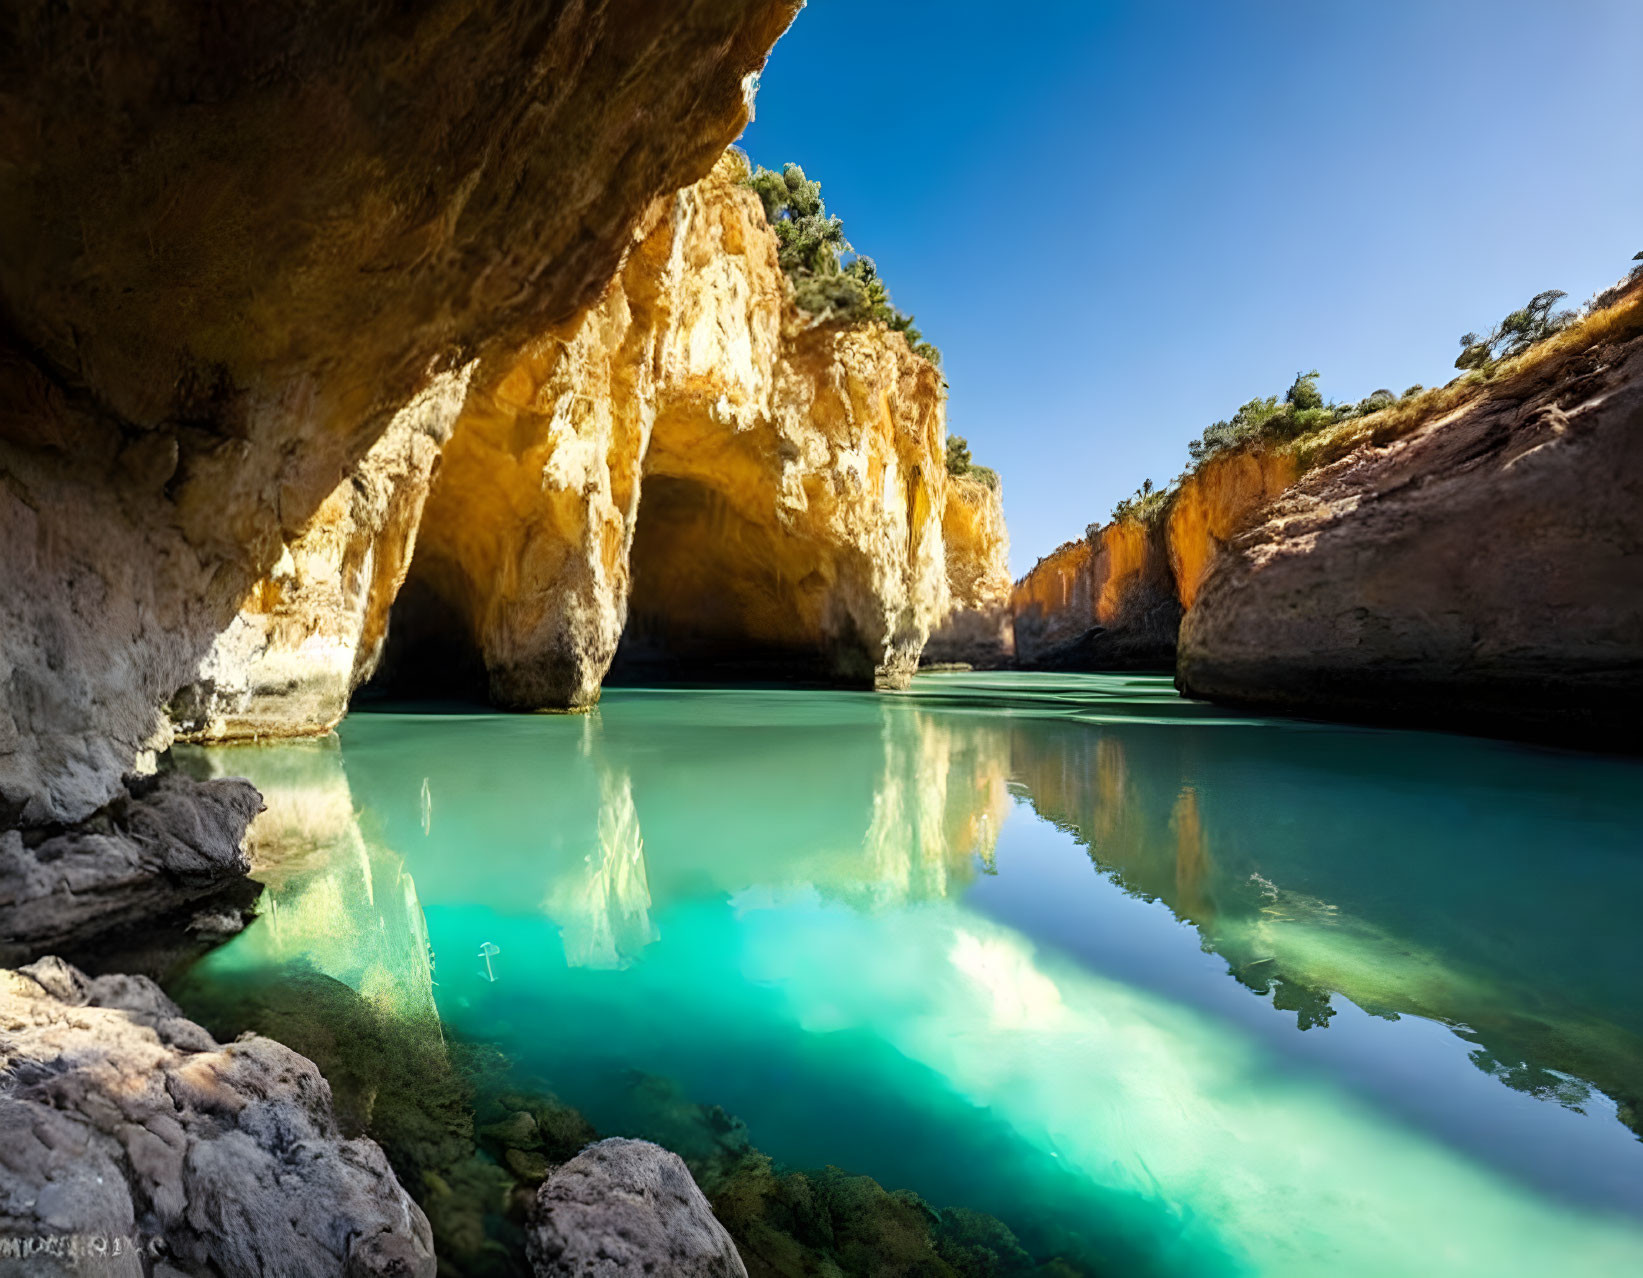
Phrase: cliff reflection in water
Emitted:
{"points": [[1481, 885], [1478, 885]]}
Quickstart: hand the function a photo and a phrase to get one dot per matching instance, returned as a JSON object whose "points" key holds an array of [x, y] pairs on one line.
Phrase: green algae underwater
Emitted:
{"points": [[1008, 974]]}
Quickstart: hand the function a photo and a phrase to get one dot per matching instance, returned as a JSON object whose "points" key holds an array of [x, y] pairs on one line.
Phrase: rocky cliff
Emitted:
{"points": [[288, 225], [1108, 602], [1484, 571], [694, 469], [979, 630]]}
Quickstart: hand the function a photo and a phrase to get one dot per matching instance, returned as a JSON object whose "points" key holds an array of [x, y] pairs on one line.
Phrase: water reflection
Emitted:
{"points": [[763, 894]]}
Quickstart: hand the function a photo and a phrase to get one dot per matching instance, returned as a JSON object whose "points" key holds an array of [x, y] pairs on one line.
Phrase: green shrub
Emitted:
{"points": [[811, 247], [959, 463], [1520, 330]]}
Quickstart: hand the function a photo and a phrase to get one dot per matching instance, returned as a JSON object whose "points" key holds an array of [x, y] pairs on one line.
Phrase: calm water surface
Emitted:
{"points": [[1218, 995]]}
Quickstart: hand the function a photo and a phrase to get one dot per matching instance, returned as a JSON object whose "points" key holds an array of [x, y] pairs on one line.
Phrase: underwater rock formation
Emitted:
{"points": [[627, 1207], [694, 468], [1483, 572], [285, 231], [128, 1122], [980, 630]]}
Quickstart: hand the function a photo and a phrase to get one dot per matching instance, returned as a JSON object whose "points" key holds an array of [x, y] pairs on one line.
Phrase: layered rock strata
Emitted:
{"points": [[980, 629], [285, 231], [136, 1141], [695, 469], [1484, 572]]}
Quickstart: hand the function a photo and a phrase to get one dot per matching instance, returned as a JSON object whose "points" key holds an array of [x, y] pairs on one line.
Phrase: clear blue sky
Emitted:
{"points": [[1120, 221]]}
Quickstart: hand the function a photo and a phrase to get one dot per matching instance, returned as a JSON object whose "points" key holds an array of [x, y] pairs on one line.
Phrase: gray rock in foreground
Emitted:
{"points": [[166, 843], [624, 1207], [126, 1127]]}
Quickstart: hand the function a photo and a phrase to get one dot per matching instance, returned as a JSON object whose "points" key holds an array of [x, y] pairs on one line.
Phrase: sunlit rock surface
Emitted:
{"points": [[1484, 572], [311, 631], [1106, 602], [980, 630], [627, 1207], [695, 469], [125, 1120], [1216, 502], [284, 232]]}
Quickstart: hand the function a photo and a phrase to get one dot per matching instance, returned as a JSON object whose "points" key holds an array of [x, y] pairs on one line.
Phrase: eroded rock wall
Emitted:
{"points": [[1215, 502], [287, 224], [312, 630], [1054, 604], [980, 630], [694, 469], [1484, 572], [1108, 602]]}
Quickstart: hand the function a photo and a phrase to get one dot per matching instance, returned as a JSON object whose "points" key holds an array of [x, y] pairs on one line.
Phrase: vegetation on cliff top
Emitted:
{"points": [[1320, 431], [960, 464], [813, 252]]}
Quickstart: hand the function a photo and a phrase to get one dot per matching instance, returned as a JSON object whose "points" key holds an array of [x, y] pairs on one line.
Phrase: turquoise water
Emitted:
{"points": [[1198, 993]]}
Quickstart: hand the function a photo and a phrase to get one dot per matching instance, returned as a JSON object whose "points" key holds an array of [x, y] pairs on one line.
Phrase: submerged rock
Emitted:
{"points": [[167, 843], [1484, 572], [627, 1207], [124, 1120]]}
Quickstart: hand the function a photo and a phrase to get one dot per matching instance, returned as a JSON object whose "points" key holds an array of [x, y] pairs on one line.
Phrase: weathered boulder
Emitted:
{"points": [[128, 1125], [696, 469], [1484, 572], [980, 630], [288, 223], [626, 1208], [166, 843]]}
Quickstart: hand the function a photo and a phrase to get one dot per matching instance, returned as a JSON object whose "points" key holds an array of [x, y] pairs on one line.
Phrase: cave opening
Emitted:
{"points": [[429, 653], [717, 597]]}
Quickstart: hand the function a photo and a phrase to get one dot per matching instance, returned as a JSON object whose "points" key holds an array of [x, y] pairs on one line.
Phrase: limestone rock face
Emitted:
{"points": [[624, 1209], [693, 469], [980, 629], [1108, 602], [1054, 604], [288, 223], [164, 844], [126, 1121], [1214, 503], [1482, 572], [312, 630]]}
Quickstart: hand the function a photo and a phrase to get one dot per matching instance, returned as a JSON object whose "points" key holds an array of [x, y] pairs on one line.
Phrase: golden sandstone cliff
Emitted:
{"points": [[979, 631], [693, 469], [288, 224], [1469, 560]]}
